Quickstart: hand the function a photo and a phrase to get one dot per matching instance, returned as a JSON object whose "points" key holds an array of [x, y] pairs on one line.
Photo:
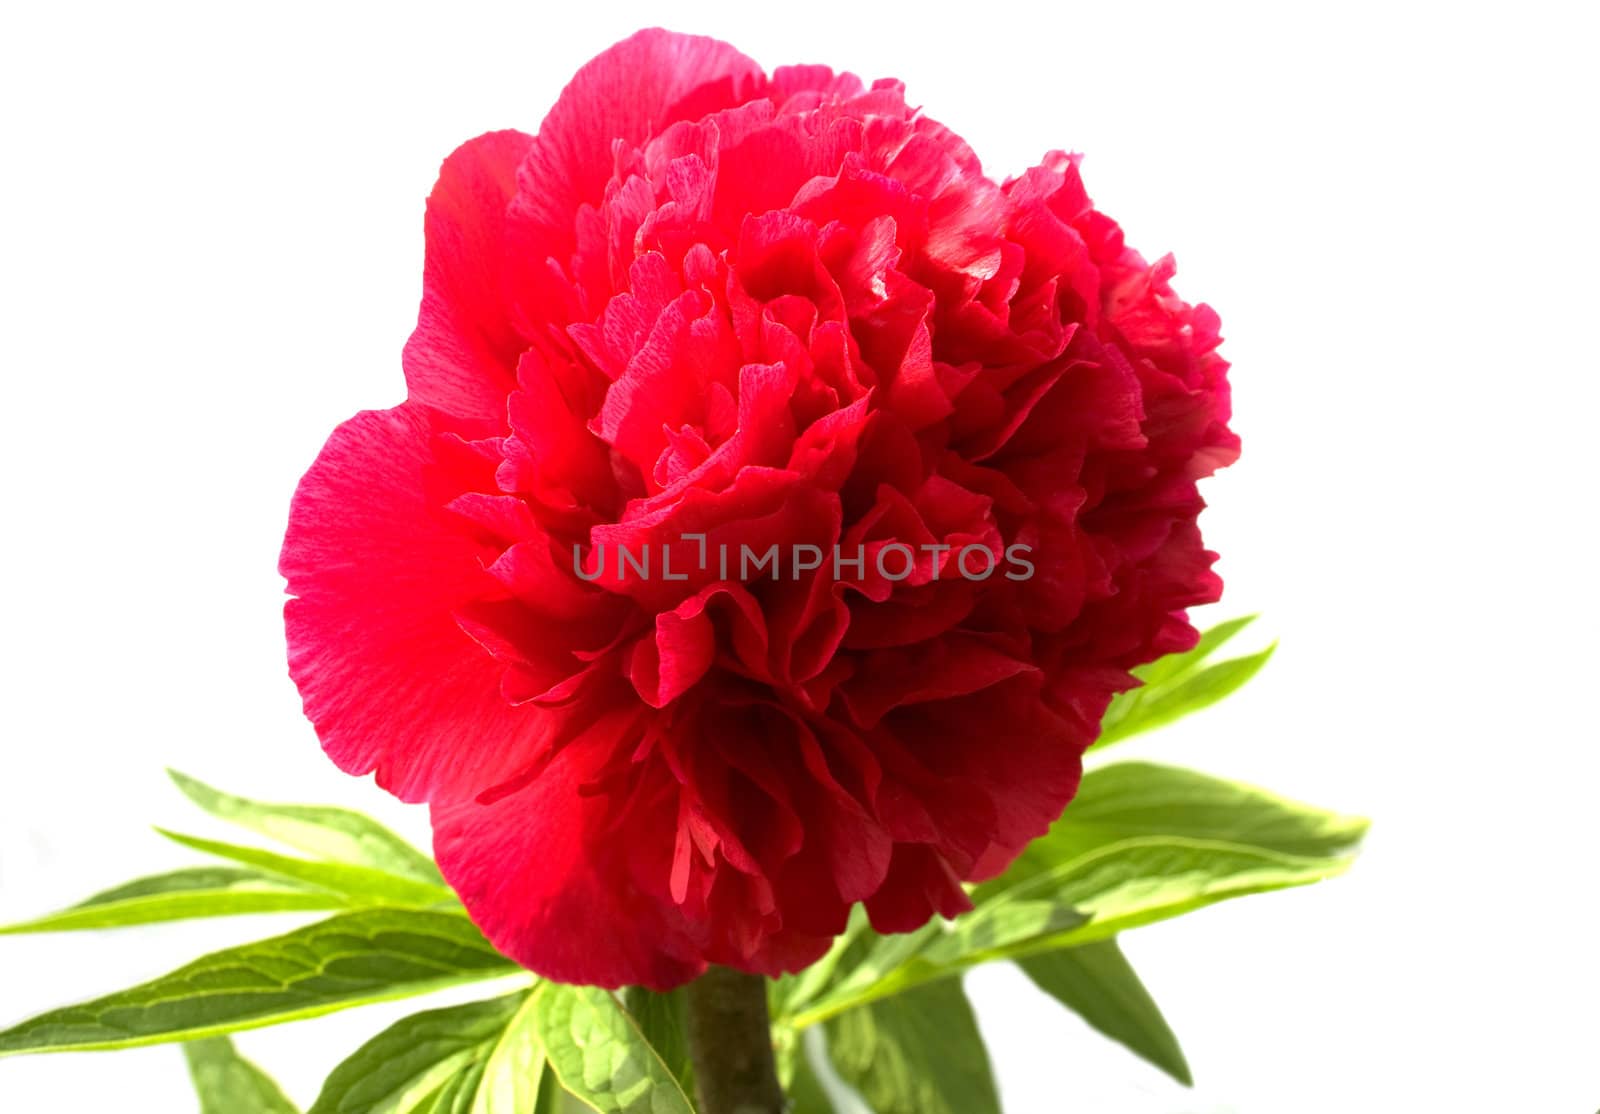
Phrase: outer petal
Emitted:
{"points": [[553, 872], [388, 677], [629, 92], [462, 358]]}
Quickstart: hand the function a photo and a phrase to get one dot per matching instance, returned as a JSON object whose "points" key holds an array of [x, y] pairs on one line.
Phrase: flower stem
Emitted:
{"points": [[730, 1043]]}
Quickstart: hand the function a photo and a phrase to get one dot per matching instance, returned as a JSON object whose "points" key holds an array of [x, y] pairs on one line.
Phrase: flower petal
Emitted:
{"points": [[552, 873], [462, 358], [636, 88], [391, 681]]}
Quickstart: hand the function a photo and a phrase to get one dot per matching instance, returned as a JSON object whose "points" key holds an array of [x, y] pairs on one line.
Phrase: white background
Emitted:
{"points": [[210, 252]]}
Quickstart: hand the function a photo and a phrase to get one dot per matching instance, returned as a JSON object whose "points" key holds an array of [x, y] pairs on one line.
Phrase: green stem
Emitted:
{"points": [[730, 1044]]}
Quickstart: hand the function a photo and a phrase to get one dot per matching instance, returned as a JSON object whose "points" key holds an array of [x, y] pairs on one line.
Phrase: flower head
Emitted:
{"points": [[709, 319]]}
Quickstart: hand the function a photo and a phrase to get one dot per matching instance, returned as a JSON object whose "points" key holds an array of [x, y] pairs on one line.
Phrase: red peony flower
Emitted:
{"points": [[705, 319]]}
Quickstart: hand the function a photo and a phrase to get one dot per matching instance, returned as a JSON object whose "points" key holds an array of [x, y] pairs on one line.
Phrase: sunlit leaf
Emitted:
{"points": [[600, 1055], [227, 1083], [916, 1053], [661, 1019], [1142, 843], [1127, 800], [480, 1057], [1178, 684], [181, 895], [325, 832], [361, 883], [1097, 983], [370, 955]]}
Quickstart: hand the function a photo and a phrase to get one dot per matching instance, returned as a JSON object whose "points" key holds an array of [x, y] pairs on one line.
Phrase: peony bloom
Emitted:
{"points": [[709, 311]]}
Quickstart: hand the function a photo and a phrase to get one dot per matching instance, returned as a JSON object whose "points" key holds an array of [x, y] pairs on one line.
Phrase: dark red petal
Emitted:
{"points": [[920, 885], [1005, 744], [956, 665]]}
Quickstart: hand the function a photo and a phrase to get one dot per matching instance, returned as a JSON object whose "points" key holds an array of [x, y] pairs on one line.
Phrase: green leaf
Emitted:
{"points": [[1141, 881], [515, 1079], [1178, 684], [553, 1098], [1142, 843], [860, 962], [322, 831], [877, 967], [661, 1019], [556, 1099], [1097, 983], [801, 1086], [369, 955], [227, 1083], [180, 895], [1174, 667], [917, 1053], [453, 1096], [600, 1055], [363, 883], [481, 1057], [1128, 800]]}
